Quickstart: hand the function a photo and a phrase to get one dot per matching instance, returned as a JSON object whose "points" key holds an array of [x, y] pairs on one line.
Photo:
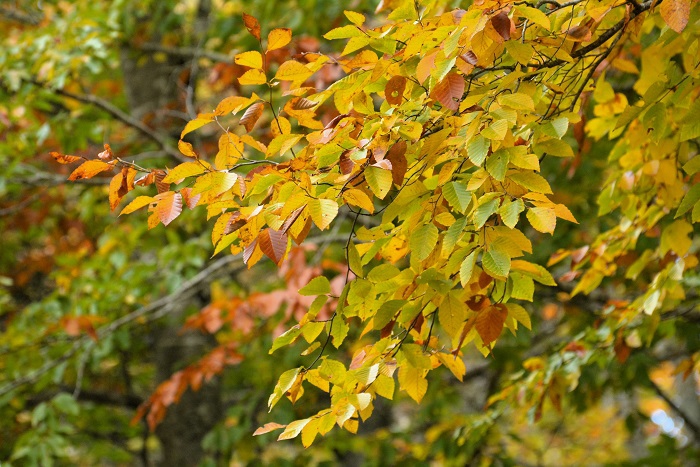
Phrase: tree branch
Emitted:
{"points": [[686, 419], [120, 115]]}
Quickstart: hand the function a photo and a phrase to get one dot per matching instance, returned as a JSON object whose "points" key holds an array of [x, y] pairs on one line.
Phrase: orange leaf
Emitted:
{"points": [[64, 158], [489, 322], [274, 244], [169, 206], [186, 148], [278, 38], [676, 13], [393, 92], [425, 66], [114, 188], [268, 427], [252, 25], [449, 91], [89, 169], [251, 116]]}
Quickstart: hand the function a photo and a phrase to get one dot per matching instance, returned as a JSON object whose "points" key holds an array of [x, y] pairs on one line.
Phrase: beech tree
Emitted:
{"points": [[503, 191]]}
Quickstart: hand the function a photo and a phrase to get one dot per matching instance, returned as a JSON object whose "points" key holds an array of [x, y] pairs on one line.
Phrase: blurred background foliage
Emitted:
{"points": [[77, 74]]}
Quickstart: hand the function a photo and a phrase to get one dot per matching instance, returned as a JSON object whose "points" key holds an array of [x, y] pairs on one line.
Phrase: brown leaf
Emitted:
{"points": [[303, 103], [470, 57], [346, 164], [251, 116], [489, 322], [252, 25], [89, 169], [393, 92], [169, 207], [249, 250], [291, 219], [676, 13], [159, 175], [274, 244], [268, 427], [399, 165], [298, 238], [449, 91], [580, 33], [501, 23], [65, 158]]}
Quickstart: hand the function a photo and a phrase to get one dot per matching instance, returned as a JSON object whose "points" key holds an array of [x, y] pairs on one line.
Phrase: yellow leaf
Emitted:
{"points": [[355, 18], [251, 59], [358, 198], [292, 70], [323, 211], [412, 380], [452, 313], [253, 76], [519, 313], [278, 38], [137, 203], [184, 170], [542, 219], [200, 121]]}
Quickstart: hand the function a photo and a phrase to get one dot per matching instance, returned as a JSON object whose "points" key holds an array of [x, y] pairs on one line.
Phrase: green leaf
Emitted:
{"points": [[317, 286], [287, 338], [457, 195], [497, 164], [689, 200], [478, 149], [484, 211], [510, 212], [496, 263], [423, 241], [379, 181], [467, 268]]}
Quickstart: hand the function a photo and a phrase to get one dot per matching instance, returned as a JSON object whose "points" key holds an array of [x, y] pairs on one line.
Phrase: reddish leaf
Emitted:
{"points": [[146, 180], [268, 427], [449, 91], [274, 244], [107, 154], [489, 322], [251, 116], [501, 23], [169, 206], [252, 25], [249, 250], [399, 165], [89, 169], [188, 199], [64, 158], [393, 92], [291, 219]]}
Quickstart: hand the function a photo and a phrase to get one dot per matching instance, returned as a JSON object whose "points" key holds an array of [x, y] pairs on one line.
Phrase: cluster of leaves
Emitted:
{"points": [[442, 123]]}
